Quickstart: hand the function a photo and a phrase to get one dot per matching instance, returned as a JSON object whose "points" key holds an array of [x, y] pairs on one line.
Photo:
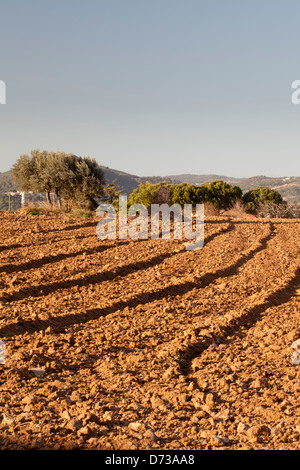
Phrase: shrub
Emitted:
{"points": [[238, 209], [145, 194], [185, 193], [210, 210], [223, 195], [273, 210], [259, 197]]}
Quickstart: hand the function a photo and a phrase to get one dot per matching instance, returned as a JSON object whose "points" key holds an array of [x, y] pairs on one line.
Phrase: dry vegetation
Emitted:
{"points": [[144, 345]]}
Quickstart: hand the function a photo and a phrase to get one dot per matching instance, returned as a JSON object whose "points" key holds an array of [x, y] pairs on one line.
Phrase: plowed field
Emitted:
{"points": [[144, 345]]}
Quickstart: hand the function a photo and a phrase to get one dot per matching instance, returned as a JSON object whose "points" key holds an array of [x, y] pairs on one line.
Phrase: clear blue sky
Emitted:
{"points": [[153, 87]]}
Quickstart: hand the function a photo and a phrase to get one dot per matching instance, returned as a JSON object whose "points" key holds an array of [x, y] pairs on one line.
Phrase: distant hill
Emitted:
{"points": [[126, 182], [195, 179], [6, 182], [288, 187]]}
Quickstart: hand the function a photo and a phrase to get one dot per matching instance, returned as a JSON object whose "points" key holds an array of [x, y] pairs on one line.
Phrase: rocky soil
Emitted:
{"points": [[121, 344]]}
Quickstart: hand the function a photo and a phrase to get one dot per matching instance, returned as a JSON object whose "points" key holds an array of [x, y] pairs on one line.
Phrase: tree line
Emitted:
{"points": [[258, 201], [68, 180]]}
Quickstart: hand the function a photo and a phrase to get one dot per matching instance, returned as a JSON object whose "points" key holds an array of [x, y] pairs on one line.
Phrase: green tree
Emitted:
{"points": [[185, 193], [223, 195], [30, 173], [254, 198], [57, 173], [87, 184], [68, 177], [145, 194], [219, 193], [111, 194], [24, 171]]}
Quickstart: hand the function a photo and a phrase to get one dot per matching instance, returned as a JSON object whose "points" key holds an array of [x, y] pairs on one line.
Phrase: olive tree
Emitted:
{"points": [[65, 176]]}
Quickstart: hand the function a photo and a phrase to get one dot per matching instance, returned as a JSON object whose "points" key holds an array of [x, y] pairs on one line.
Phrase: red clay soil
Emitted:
{"points": [[145, 345]]}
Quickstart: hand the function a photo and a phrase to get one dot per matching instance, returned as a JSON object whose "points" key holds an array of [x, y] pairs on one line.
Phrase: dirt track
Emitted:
{"points": [[146, 345]]}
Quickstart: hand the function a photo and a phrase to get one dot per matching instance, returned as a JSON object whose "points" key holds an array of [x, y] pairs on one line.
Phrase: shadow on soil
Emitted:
{"points": [[45, 289], [140, 299], [39, 263], [245, 322]]}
